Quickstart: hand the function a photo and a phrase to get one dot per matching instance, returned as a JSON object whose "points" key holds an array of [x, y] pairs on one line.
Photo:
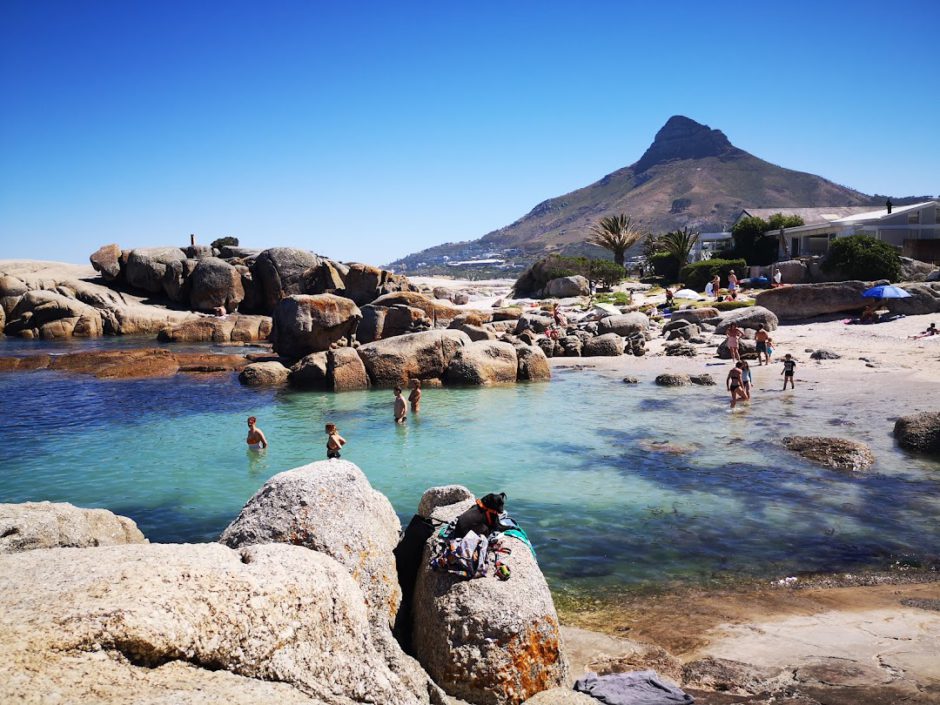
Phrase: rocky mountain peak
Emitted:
{"points": [[683, 138]]}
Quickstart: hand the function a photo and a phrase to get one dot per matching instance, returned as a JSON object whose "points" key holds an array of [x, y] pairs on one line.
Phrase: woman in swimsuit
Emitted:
{"points": [[334, 441], [415, 396], [733, 337], [734, 384], [746, 379], [256, 439]]}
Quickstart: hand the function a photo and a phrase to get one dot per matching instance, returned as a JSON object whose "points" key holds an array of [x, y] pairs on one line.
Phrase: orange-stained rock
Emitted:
{"points": [[305, 324], [441, 314]]}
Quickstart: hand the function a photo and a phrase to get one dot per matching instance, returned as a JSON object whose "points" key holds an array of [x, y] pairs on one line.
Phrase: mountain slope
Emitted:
{"points": [[691, 175]]}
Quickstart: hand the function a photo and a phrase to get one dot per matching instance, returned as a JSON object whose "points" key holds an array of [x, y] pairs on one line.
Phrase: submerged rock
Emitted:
{"points": [[673, 380], [835, 453], [920, 432], [32, 525]]}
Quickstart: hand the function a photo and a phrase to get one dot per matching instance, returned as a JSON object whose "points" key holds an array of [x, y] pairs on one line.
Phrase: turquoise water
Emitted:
{"points": [[576, 457]]}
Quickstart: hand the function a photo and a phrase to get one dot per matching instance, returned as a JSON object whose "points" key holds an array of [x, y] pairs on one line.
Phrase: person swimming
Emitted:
{"points": [[334, 441], [256, 439]]}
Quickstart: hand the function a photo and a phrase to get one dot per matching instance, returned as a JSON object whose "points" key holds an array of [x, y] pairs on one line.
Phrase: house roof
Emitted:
{"points": [[873, 216], [810, 216]]}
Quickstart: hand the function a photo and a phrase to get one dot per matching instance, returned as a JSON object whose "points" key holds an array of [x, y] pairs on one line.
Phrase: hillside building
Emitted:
{"points": [[914, 229]]}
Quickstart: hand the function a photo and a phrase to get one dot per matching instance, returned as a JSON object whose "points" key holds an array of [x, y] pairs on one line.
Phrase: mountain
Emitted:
{"points": [[691, 175]]}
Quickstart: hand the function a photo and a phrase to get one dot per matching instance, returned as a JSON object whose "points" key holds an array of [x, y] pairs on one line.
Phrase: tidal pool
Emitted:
{"points": [[618, 485]]}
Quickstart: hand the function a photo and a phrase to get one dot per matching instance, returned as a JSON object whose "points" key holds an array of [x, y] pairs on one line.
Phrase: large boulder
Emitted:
{"points": [[176, 280], [441, 314], [533, 321], [280, 272], [792, 271], [32, 525], [329, 506], [146, 267], [624, 324], [50, 315], [750, 317], [606, 345], [564, 287], [483, 362], [235, 328], [345, 370], [396, 361], [264, 374], [913, 270], [835, 453], [189, 624], [488, 641], [533, 364], [442, 496], [695, 315], [215, 283], [303, 324], [107, 260], [920, 432], [747, 349], [372, 326], [310, 371], [924, 299], [801, 301]]}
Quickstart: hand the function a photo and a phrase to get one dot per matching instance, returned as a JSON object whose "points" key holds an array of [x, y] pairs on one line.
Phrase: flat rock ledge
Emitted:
{"points": [[835, 453]]}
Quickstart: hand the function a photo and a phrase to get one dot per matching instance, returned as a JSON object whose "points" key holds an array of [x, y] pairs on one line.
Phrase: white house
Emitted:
{"points": [[914, 230]]}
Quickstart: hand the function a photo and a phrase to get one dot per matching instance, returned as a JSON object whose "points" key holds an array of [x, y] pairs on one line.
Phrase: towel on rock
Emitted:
{"points": [[633, 688]]}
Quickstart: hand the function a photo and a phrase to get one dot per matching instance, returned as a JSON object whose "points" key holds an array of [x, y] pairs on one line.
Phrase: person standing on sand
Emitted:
{"points": [[716, 286], [732, 338], [762, 341], [401, 410], [415, 397], [334, 441], [256, 439], [734, 384], [732, 284], [789, 367]]}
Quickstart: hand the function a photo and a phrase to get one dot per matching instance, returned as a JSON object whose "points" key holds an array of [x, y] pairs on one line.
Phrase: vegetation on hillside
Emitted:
{"points": [[862, 257], [615, 233]]}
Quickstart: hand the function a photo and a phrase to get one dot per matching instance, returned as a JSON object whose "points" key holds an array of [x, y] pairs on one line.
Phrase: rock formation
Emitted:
{"points": [[303, 324], [800, 301], [487, 641], [835, 453], [189, 623], [919, 432], [396, 361], [32, 525]]}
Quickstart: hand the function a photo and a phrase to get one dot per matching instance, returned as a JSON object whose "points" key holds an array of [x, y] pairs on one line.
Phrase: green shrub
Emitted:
{"points": [[665, 266], [227, 241], [862, 257], [698, 274]]}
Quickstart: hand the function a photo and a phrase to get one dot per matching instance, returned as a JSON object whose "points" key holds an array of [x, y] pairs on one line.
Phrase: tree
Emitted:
{"points": [[615, 233], [678, 244], [755, 239]]}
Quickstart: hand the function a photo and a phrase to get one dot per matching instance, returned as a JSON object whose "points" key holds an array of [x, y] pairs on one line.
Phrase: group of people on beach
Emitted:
{"points": [[739, 380], [256, 439]]}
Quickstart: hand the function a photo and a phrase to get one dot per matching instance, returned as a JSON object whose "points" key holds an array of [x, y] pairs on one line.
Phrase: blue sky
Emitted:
{"points": [[367, 131]]}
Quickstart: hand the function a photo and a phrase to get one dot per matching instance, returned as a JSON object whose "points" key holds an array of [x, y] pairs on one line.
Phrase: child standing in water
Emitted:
{"points": [[789, 367], [401, 411], [746, 379], [334, 441], [415, 396]]}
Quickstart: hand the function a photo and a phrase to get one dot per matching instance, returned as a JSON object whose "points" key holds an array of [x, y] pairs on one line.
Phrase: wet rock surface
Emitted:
{"points": [[835, 453], [919, 432]]}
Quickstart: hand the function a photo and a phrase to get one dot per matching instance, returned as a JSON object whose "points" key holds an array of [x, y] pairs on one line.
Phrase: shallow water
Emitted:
{"points": [[580, 459]]}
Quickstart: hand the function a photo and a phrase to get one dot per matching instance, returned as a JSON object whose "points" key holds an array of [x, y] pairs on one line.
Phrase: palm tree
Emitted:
{"points": [[615, 233], [679, 244]]}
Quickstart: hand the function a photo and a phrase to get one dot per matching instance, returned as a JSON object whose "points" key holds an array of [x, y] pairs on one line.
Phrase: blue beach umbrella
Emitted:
{"points": [[886, 291]]}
